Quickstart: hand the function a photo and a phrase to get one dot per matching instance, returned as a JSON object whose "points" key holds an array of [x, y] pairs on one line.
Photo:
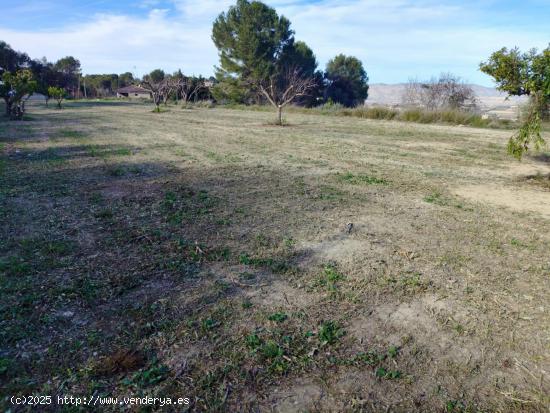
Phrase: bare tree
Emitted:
{"points": [[156, 90], [448, 91], [411, 93], [161, 90], [170, 86], [190, 89], [282, 90]]}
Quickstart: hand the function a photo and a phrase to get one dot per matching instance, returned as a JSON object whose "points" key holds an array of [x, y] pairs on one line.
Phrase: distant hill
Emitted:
{"points": [[490, 100]]}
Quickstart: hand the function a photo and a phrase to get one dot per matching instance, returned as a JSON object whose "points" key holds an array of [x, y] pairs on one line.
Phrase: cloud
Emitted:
{"points": [[395, 39], [118, 43]]}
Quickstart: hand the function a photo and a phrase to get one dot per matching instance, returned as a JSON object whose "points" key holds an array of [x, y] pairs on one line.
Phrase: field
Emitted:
{"points": [[334, 264]]}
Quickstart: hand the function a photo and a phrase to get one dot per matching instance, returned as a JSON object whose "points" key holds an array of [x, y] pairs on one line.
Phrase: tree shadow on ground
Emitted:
{"points": [[542, 158]]}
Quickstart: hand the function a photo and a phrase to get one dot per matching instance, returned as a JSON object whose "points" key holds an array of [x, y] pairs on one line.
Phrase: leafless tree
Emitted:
{"points": [[448, 91], [170, 86], [156, 90], [190, 89], [163, 89], [282, 90]]}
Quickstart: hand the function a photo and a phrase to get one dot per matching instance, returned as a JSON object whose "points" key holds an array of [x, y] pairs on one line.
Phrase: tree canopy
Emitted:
{"points": [[11, 60], [518, 74], [250, 38], [15, 86], [298, 55], [156, 75], [260, 60], [347, 81]]}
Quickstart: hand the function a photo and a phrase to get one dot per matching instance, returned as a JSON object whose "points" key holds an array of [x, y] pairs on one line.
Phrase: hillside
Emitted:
{"points": [[490, 100]]}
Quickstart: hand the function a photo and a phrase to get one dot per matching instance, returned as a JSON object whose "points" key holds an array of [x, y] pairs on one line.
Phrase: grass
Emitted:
{"points": [[360, 179], [205, 253], [415, 115]]}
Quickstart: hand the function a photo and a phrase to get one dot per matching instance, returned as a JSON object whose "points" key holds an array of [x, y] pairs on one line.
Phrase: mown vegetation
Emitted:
{"points": [[167, 258]]}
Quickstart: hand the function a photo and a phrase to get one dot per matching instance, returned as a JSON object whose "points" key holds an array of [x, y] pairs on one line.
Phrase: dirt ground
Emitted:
{"points": [[334, 264]]}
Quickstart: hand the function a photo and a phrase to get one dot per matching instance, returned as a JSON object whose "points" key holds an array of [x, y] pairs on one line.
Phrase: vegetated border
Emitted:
{"points": [[416, 115]]}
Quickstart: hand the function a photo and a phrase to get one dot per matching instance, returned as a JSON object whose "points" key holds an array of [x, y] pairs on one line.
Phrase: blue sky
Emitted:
{"points": [[395, 39]]}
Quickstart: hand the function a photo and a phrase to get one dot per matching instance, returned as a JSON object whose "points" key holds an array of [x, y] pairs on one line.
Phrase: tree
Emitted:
{"points": [[45, 76], [101, 85], [155, 88], [255, 48], [250, 38], [523, 74], [14, 88], [171, 86], [447, 91], [298, 56], [69, 68], [160, 86], [156, 75], [347, 81], [190, 88], [125, 79], [58, 93], [280, 90], [11, 60]]}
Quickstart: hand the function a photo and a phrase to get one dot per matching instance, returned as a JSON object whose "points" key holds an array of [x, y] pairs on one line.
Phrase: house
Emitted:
{"points": [[133, 92], [35, 97]]}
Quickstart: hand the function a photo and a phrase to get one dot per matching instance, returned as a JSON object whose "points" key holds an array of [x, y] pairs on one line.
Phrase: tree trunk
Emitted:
{"points": [[280, 115], [8, 106]]}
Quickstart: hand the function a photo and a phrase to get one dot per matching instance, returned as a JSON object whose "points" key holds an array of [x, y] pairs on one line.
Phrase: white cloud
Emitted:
{"points": [[394, 38], [117, 43]]}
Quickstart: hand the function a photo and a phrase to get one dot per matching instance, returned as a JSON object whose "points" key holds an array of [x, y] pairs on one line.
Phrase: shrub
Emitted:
{"points": [[411, 115], [418, 115], [375, 112], [330, 107], [207, 104]]}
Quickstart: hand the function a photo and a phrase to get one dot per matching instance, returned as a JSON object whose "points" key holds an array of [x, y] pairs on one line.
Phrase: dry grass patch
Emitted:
{"points": [[206, 254]]}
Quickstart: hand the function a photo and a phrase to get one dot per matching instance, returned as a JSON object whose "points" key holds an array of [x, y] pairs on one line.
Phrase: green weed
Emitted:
{"points": [[278, 317], [360, 179], [330, 332]]}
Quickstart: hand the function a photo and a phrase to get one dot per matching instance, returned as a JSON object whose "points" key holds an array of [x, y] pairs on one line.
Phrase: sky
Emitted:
{"points": [[395, 39]]}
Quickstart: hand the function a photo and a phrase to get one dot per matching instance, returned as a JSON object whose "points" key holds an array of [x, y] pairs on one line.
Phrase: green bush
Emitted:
{"points": [[376, 112], [411, 115], [330, 107]]}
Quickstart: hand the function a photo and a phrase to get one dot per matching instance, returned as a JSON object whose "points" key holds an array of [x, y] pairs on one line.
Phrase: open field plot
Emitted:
{"points": [[207, 254]]}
